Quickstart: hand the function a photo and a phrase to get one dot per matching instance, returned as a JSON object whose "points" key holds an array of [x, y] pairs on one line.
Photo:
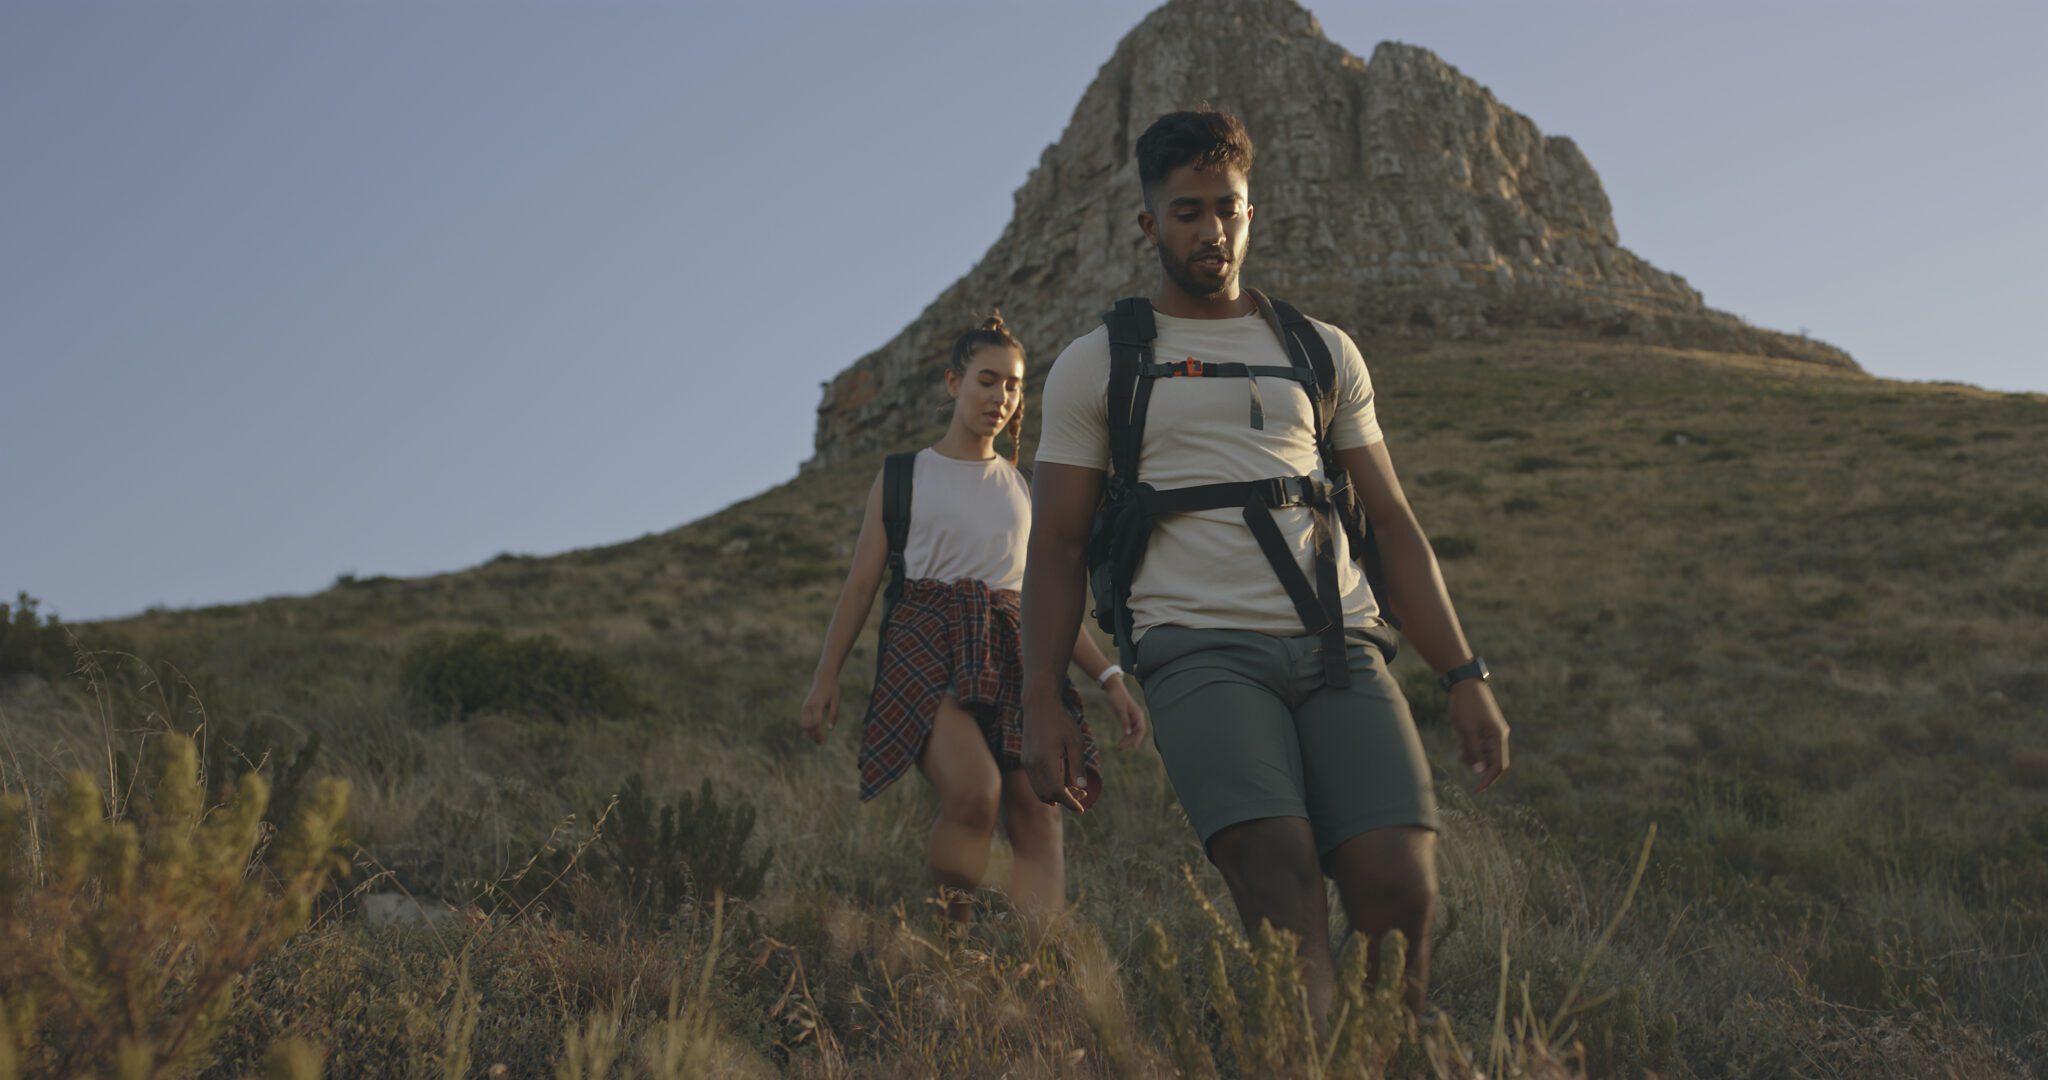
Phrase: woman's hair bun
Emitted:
{"points": [[994, 321]]}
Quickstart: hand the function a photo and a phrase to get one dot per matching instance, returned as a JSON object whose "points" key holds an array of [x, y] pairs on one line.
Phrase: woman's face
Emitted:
{"points": [[991, 392]]}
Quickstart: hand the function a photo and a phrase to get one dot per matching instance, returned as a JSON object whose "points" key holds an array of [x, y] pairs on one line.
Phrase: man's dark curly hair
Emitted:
{"points": [[1204, 138]]}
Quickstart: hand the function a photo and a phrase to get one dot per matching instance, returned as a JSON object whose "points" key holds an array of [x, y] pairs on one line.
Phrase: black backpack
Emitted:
{"points": [[1123, 525]]}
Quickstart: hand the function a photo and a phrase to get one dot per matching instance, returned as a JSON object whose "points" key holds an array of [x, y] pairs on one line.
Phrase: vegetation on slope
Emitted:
{"points": [[1790, 618]]}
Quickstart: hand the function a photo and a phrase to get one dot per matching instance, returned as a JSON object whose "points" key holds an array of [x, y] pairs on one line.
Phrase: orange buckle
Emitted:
{"points": [[1192, 367]]}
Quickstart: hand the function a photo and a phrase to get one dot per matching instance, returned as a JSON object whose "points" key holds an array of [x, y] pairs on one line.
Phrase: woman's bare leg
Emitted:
{"points": [[1038, 874], [957, 762]]}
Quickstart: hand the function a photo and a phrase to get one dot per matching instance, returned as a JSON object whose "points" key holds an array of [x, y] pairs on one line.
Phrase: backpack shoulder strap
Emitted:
{"points": [[1131, 330], [898, 472], [1306, 348]]}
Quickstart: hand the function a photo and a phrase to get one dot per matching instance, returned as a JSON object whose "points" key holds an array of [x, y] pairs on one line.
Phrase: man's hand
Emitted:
{"points": [[1482, 732], [821, 708], [1052, 753], [1128, 712]]}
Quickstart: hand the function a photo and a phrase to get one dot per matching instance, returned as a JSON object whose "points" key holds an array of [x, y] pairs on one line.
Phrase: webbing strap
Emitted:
{"points": [[1198, 369], [1132, 375], [1319, 605], [1131, 330], [898, 472]]}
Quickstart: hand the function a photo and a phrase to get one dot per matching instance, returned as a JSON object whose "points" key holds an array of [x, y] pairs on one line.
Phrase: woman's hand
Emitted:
{"points": [[821, 707], [1128, 712]]}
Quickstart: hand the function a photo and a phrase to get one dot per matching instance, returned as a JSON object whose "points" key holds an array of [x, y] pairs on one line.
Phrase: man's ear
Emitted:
{"points": [[1150, 226]]}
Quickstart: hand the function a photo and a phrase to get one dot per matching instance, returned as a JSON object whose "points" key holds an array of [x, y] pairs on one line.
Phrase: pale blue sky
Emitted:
{"points": [[289, 289]]}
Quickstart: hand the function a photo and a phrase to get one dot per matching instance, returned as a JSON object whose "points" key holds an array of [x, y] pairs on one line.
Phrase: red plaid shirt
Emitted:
{"points": [[958, 637]]}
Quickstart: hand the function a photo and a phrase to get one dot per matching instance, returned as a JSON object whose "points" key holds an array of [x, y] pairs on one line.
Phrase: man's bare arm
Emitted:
{"points": [[1416, 593], [1063, 502], [1415, 584]]}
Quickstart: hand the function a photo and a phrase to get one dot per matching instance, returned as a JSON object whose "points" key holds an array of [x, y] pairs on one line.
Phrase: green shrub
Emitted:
{"points": [[1838, 605], [32, 644], [1529, 463], [2028, 515], [253, 747], [648, 861], [456, 676], [1454, 547], [125, 941], [663, 856], [1521, 504]]}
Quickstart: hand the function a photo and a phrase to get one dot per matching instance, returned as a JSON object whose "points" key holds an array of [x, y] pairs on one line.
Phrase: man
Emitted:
{"points": [[1290, 761]]}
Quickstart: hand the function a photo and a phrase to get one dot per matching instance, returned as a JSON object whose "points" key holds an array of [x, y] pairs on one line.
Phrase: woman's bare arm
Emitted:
{"points": [[856, 599]]}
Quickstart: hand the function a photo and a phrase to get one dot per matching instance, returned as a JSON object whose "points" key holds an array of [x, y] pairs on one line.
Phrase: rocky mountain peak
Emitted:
{"points": [[1394, 195]]}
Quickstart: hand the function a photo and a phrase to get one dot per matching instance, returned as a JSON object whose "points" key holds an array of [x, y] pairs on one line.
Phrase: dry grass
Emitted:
{"points": [[1787, 639]]}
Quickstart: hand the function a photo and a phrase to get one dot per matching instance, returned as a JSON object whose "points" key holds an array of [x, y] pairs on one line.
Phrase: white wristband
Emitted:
{"points": [[1108, 673]]}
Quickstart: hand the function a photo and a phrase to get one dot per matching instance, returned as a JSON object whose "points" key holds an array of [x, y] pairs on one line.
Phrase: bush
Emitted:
{"points": [[33, 645], [1454, 547], [231, 751], [455, 676], [647, 861], [126, 942], [663, 856], [2026, 515]]}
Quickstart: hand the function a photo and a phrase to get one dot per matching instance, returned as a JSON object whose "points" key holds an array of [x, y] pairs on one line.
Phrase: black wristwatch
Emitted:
{"points": [[1474, 668]]}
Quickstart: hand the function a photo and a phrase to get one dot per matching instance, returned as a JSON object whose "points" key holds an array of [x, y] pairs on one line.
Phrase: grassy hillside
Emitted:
{"points": [[1794, 619]]}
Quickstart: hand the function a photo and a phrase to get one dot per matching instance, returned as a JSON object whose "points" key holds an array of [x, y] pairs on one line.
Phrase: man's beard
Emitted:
{"points": [[1182, 273]]}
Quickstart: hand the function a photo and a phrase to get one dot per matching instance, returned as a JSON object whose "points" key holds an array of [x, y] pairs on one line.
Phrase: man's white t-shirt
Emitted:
{"points": [[1205, 570]]}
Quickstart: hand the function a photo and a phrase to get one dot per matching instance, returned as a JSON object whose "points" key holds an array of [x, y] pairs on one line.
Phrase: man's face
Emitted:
{"points": [[1200, 221]]}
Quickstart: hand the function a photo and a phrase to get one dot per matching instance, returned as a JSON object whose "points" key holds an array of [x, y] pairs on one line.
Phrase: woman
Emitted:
{"points": [[946, 685]]}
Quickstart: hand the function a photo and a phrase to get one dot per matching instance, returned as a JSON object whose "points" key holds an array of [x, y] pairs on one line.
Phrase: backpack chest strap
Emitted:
{"points": [[1319, 604], [1192, 368]]}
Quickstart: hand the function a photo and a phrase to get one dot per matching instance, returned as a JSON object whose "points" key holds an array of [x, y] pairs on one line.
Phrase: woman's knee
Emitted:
{"points": [[971, 801], [1028, 821]]}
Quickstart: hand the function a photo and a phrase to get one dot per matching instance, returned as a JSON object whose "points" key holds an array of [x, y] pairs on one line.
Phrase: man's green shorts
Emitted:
{"points": [[1248, 730]]}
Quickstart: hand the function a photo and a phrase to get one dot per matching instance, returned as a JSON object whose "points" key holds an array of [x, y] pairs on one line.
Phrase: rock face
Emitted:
{"points": [[1394, 196]]}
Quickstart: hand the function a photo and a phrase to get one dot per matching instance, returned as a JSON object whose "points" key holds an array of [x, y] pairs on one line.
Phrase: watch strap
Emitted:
{"points": [[1474, 668]]}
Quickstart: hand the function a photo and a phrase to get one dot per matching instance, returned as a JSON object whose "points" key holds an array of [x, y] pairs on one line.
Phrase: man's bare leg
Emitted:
{"points": [[1386, 880], [1271, 868]]}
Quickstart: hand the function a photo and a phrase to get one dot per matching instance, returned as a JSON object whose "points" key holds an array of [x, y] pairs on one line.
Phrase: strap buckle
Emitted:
{"points": [[1285, 491], [1191, 367], [1295, 491]]}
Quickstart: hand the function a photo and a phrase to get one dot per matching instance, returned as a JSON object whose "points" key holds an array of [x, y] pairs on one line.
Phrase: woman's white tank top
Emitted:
{"points": [[968, 519]]}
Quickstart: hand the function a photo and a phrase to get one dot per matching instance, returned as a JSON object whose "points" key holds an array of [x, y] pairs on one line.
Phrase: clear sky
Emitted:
{"points": [[290, 289]]}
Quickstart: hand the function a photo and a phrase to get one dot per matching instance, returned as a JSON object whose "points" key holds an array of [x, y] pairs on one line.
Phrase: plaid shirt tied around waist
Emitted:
{"points": [[956, 637]]}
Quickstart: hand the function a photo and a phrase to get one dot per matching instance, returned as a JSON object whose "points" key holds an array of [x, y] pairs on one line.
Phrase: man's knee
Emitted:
{"points": [[1406, 897], [1391, 884], [1268, 868]]}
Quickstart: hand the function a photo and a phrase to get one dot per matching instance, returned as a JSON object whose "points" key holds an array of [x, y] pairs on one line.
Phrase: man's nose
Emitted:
{"points": [[1209, 228]]}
